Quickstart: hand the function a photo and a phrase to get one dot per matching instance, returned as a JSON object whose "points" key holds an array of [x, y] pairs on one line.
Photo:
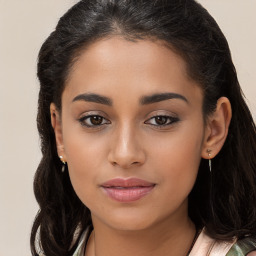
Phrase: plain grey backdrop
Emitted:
{"points": [[24, 25]]}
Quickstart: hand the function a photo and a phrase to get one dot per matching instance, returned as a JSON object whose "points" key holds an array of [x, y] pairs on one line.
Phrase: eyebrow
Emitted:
{"points": [[144, 100], [92, 97], [161, 97]]}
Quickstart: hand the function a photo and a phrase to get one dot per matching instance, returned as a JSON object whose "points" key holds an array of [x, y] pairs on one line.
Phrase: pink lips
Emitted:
{"points": [[127, 190]]}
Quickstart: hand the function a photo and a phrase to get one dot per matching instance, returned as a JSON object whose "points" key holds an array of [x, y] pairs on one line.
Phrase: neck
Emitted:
{"points": [[160, 240]]}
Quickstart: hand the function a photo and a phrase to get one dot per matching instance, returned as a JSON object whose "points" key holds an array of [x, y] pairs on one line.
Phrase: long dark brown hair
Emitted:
{"points": [[225, 201]]}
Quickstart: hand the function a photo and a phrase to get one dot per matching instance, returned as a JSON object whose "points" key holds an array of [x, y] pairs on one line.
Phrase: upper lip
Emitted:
{"points": [[126, 183]]}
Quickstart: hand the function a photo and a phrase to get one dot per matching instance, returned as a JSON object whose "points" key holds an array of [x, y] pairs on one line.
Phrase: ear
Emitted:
{"points": [[57, 127], [217, 129]]}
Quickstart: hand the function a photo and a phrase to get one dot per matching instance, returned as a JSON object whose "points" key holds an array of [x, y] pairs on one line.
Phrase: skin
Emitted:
{"points": [[130, 143]]}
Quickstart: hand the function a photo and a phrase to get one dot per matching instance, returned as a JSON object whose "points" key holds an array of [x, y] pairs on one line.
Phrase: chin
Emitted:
{"points": [[128, 220], [131, 225]]}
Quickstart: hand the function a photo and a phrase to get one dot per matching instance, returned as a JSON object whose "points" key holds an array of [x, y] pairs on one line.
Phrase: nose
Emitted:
{"points": [[126, 150]]}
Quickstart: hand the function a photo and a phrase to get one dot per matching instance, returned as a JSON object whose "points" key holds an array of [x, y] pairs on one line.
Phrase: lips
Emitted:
{"points": [[127, 190]]}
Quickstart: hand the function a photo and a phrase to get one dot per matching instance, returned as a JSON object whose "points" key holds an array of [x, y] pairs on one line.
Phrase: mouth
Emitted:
{"points": [[127, 190]]}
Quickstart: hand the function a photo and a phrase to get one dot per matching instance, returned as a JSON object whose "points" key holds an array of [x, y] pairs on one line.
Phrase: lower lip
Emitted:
{"points": [[126, 195]]}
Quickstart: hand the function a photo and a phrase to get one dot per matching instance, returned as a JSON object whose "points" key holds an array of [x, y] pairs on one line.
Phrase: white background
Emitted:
{"points": [[24, 25]]}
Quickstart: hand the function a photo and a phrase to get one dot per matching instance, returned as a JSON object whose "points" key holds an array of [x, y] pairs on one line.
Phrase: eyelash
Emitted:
{"points": [[83, 120]]}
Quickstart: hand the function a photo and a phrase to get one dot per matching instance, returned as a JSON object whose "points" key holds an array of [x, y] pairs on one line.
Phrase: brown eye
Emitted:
{"points": [[92, 121], [161, 120], [96, 120]]}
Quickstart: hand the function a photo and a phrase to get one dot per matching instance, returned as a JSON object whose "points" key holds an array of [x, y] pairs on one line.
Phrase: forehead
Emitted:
{"points": [[140, 67], [107, 54]]}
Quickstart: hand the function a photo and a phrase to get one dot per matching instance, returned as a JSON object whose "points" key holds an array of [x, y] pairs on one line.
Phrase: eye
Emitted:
{"points": [[162, 120], [93, 121]]}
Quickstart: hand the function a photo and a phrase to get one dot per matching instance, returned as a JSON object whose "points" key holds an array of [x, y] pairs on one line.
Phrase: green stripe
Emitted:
{"points": [[242, 247]]}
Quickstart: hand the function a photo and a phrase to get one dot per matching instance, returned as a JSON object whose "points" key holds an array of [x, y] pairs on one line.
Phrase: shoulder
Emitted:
{"points": [[244, 247], [206, 245]]}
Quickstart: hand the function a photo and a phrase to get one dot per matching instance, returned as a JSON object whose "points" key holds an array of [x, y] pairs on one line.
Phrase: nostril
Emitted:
{"points": [[126, 157], [125, 165], [114, 163]]}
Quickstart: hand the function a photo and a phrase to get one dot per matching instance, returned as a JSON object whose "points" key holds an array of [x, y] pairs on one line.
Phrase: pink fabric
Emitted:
{"points": [[206, 246]]}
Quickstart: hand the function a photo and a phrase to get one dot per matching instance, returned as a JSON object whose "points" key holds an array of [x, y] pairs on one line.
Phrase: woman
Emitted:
{"points": [[148, 145]]}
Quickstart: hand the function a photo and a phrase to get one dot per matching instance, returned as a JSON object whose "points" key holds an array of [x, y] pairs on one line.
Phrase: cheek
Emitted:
{"points": [[84, 150], [177, 159], [85, 156]]}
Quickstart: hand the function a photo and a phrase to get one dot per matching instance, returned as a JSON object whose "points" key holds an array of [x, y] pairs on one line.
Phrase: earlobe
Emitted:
{"points": [[57, 127], [217, 128]]}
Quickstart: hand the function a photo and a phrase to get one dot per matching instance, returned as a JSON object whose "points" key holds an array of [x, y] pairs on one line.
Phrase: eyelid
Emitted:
{"points": [[160, 112], [93, 113]]}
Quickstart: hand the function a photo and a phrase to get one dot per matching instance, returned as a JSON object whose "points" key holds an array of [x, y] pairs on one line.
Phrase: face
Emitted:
{"points": [[132, 133]]}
